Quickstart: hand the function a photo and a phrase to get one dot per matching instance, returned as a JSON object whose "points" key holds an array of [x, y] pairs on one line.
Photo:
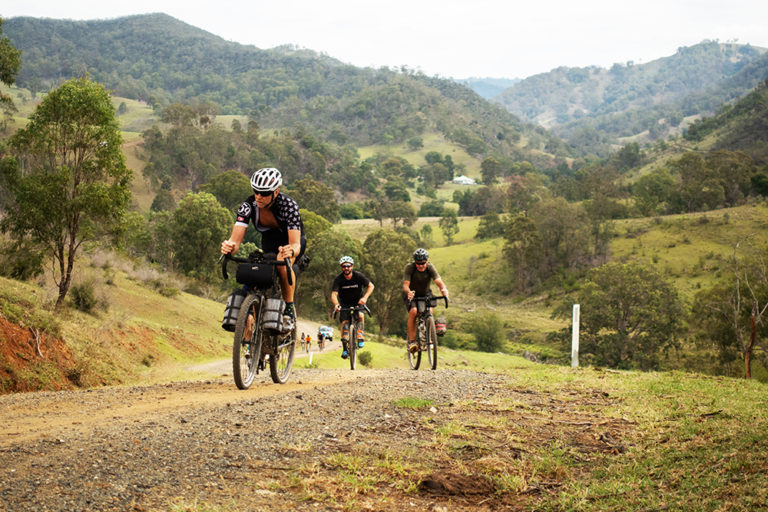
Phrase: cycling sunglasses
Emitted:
{"points": [[263, 194], [346, 266]]}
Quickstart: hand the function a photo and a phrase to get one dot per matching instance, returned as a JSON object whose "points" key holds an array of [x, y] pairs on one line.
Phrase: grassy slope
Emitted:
{"points": [[134, 334], [432, 142]]}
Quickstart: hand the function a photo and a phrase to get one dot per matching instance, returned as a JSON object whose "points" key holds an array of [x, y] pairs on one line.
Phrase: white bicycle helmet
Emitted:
{"points": [[346, 259], [267, 179]]}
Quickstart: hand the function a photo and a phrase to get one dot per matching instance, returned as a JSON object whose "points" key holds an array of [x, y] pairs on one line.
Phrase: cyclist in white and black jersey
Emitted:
{"points": [[276, 216]]}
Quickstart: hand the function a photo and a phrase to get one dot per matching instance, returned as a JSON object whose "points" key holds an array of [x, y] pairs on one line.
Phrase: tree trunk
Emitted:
{"points": [[748, 352]]}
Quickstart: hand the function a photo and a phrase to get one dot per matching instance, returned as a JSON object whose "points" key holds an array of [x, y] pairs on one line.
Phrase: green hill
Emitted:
{"points": [[159, 60], [742, 126], [593, 107]]}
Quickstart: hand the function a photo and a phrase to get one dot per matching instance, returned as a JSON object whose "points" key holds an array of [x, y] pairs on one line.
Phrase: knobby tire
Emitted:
{"points": [[352, 344], [414, 358], [432, 342], [281, 361], [246, 352]]}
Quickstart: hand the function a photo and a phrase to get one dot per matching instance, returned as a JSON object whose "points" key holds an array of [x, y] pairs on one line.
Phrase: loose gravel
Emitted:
{"points": [[174, 446]]}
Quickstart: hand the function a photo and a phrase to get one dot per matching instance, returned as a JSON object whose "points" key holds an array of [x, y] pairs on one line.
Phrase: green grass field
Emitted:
{"points": [[432, 142]]}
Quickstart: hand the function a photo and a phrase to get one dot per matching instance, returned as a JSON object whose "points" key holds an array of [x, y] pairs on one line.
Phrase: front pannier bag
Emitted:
{"points": [[232, 310], [272, 315]]}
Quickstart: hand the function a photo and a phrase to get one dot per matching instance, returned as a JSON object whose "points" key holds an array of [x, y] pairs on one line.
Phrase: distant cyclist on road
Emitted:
{"points": [[349, 289], [276, 216], [417, 277]]}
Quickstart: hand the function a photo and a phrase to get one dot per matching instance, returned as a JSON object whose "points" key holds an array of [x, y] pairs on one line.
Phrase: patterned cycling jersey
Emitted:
{"points": [[285, 210]]}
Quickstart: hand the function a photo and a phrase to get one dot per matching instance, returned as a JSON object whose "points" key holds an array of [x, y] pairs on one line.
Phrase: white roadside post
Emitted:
{"points": [[575, 338]]}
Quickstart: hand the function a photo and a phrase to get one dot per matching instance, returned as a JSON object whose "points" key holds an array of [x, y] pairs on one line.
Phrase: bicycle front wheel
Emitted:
{"points": [[246, 348], [432, 343], [352, 346], [281, 361]]}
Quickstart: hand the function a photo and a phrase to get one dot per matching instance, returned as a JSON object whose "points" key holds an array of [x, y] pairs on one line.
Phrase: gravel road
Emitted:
{"points": [[180, 445]]}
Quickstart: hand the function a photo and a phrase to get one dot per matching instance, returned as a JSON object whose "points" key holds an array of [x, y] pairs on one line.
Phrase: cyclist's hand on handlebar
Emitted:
{"points": [[361, 301], [285, 252], [337, 307], [227, 247], [411, 294]]}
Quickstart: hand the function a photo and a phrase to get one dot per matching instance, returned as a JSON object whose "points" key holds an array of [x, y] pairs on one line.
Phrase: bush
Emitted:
{"points": [[365, 358], [350, 211], [488, 330], [84, 297]]}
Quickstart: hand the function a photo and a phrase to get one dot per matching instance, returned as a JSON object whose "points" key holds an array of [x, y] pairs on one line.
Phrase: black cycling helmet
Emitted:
{"points": [[420, 254], [267, 179]]}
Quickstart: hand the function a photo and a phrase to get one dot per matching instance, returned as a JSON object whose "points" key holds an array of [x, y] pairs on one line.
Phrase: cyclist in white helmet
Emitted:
{"points": [[349, 289], [276, 216]]}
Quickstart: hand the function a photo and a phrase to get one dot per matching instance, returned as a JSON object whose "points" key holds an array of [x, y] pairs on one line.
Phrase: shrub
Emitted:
{"points": [[488, 330], [84, 297], [365, 358]]}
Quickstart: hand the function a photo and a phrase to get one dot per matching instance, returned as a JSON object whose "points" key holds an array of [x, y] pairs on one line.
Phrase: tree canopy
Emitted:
{"points": [[68, 181]]}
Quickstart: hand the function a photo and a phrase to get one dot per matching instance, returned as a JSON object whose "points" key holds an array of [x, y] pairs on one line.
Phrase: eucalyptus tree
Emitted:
{"points": [[67, 179], [385, 254], [10, 59]]}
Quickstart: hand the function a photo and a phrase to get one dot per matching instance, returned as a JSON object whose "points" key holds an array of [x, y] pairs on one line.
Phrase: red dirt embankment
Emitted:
{"points": [[32, 360]]}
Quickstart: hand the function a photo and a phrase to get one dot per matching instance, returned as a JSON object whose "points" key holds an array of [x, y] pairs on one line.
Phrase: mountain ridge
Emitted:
{"points": [[628, 99], [161, 60]]}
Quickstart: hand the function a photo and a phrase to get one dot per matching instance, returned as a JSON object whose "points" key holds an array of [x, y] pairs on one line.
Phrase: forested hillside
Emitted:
{"points": [[488, 87], [160, 60], [594, 108], [742, 126]]}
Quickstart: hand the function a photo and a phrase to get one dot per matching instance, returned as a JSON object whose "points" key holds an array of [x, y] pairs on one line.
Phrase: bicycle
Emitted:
{"points": [[426, 334], [353, 329], [259, 333]]}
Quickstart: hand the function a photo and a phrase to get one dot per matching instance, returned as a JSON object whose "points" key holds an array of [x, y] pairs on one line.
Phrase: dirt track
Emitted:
{"points": [[207, 446]]}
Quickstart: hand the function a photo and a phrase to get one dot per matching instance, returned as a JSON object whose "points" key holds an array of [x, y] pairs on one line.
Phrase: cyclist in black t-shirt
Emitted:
{"points": [[277, 217], [417, 277], [349, 289]]}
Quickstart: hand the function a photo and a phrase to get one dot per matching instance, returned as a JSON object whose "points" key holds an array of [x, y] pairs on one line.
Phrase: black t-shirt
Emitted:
{"points": [[420, 280], [350, 290]]}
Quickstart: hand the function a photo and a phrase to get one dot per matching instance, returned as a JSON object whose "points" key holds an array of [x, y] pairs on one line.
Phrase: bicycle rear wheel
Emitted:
{"points": [[432, 343], [281, 361], [246, 348], [352, 345]]}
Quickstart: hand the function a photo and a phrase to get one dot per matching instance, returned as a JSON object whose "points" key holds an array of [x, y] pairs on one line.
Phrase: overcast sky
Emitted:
{"points": [[472, 38]]}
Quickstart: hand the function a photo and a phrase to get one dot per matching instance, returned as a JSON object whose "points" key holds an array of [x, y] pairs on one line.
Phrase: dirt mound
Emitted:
{"points": [[452, 484], [31, 360]]}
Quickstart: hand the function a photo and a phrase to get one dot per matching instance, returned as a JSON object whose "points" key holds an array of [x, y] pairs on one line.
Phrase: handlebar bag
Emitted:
{"points": [[255, 275]]}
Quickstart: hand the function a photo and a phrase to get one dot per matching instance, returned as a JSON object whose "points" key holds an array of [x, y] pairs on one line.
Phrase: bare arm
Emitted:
{"points": [[335, 299], [407, 290], [367, 294], [443, 289], [232, 245], [293, 248]]}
